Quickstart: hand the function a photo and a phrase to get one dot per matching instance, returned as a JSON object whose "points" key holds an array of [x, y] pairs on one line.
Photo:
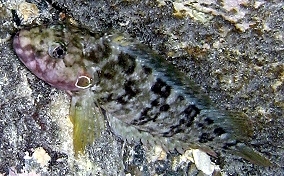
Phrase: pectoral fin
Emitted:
{"points": [[87, 119]]}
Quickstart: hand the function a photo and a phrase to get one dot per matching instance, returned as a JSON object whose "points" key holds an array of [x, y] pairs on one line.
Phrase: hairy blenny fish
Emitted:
{"points": [[141, 96]]}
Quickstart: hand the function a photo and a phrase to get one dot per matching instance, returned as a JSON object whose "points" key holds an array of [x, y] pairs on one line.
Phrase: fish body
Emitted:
{"points": [[142, 96]]}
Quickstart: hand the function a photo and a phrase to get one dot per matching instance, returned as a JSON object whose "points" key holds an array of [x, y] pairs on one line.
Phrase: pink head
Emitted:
{"points": [[52, 56]]}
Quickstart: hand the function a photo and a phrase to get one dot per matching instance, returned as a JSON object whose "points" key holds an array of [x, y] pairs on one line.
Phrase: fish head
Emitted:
{"points": [[55, 55]]}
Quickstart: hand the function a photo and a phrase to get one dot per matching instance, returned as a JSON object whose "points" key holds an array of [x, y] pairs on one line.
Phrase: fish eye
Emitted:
{"points": [[57, 50]]}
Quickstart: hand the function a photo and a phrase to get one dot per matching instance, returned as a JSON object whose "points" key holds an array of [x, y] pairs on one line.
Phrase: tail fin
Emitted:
{"points": [[239, 132], [251, 155], [236, 123], [242, 130]]}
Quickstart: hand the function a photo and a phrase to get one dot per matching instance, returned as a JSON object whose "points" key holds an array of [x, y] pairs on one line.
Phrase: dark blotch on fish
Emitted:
{"points": [[127, 63], [161, 88]]}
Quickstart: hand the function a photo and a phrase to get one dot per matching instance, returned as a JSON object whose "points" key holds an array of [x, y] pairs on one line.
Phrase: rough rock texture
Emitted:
{"points": [[232, 49]]}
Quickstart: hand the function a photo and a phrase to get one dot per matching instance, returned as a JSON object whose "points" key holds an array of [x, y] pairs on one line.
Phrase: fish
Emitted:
{"points": [[113, 77]]}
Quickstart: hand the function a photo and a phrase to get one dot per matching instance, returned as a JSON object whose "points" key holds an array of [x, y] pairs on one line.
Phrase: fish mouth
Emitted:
{"points": [[25, 53], [16, 43]]}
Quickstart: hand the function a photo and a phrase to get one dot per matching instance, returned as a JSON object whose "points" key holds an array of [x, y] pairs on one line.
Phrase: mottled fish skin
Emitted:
{"points": [[141, 94]]}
